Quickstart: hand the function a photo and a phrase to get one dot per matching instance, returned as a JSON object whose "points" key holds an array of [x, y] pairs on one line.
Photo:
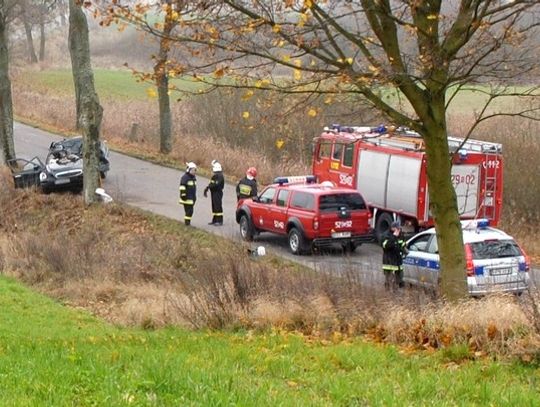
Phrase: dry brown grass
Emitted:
{"points": [[138, 270]]}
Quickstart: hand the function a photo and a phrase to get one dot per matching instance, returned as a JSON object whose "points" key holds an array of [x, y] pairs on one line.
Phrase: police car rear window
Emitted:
{"points": [[334, 202], [494, 249]]}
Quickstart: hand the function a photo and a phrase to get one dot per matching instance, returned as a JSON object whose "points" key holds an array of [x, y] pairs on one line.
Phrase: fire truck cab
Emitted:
{"points": [[388, 167]]}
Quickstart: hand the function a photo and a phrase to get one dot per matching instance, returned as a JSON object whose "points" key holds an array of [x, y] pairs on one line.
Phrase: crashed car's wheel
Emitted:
{"points": [[297, 242], [246, 228]]}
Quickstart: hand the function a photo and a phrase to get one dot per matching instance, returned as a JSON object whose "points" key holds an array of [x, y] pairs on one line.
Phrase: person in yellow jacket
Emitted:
{"points": [[188, 191]]}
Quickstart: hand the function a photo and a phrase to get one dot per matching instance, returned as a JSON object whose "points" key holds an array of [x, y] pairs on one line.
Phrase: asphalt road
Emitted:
{"points": [[155, 188]]}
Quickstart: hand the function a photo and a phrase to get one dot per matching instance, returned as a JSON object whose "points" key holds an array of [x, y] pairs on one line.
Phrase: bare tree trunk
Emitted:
{"points": [[89, 111], [443, 202], [42, 36], [6, 105], [162, 83], [32, 57]]}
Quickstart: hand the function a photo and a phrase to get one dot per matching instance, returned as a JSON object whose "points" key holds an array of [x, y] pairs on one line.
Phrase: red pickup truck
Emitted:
{"points": [[310, 215]]}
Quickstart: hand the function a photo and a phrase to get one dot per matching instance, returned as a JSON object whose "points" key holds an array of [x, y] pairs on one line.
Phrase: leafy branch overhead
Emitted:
{"points": [[353, 48]]}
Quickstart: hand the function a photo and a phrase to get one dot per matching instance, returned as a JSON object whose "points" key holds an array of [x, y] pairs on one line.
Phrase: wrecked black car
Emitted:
{"points": [[63, 168]]}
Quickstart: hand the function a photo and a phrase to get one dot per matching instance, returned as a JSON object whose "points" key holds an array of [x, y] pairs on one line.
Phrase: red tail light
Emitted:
{"points": [[469, 260], [315, 223], [527, 260]]}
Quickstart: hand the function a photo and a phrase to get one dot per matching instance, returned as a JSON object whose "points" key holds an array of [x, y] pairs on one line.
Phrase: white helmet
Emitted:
{"points": [[216, 166], [191, 166]]}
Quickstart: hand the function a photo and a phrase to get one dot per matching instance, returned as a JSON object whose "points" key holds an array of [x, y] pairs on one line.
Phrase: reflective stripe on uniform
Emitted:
{"points": [[384, 243], [182, 187], [390, 267], [186, 201], [245, 189], [190, 182], [217, 213], [187, 217]]}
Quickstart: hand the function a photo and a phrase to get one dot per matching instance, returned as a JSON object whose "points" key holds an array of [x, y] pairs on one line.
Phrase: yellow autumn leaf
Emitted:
{"points": [[349, 61], [151, 92], [328, 100], [280, 143], [432, 17], [174, 16], [312, 112], [308, 3], [297, 74], [247, 95], [298, 62], [276, 28], [286, 58], [245, 115], [281, 43]]}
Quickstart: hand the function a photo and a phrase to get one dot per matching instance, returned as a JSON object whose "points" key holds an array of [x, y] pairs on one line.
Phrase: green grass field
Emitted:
{"points": [[121, 85], [118, 85], [54, 356]]}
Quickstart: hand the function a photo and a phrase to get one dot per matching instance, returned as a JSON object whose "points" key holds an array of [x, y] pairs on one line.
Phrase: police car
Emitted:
{"points": [[494, 261], [308, 214]]}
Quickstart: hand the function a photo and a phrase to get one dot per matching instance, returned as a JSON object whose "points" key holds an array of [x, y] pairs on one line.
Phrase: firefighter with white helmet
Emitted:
{"points": [[216, 185], [188, 191], [247, 187]]}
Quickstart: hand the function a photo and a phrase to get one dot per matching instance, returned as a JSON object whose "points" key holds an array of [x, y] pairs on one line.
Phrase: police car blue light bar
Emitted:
{"points": [[475, 224], [296, 179]]}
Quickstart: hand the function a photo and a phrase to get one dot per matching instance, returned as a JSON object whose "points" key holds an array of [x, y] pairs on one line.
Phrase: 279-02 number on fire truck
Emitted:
{"points": [[468, 179]]}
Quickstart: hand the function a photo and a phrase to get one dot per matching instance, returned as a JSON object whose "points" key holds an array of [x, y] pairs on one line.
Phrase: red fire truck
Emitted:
{"points": [[388, 167]]}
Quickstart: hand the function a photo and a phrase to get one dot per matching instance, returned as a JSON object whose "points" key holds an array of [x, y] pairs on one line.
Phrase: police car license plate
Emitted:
{"points": [[501, 271], [62, 181], [341, 234]]}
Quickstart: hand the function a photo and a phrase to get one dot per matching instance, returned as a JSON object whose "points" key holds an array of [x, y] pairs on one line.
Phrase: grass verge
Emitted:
{"points": [[52, 355]]}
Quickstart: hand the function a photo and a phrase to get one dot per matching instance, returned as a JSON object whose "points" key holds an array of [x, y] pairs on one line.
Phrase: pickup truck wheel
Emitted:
{"points": [[297, 242], [383, 224], [246, 228]]}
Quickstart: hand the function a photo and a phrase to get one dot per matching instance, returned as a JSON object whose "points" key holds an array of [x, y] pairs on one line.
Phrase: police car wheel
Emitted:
{"points": [[246, 228]]}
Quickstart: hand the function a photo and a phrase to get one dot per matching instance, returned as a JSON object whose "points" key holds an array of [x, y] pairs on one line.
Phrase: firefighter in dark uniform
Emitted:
{"points": [[247, 187], [188, 191], [394, 250], [216, 185]]}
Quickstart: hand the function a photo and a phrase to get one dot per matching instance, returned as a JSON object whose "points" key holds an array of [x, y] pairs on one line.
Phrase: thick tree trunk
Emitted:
{"points": [[162, 83], [42, 38], [89, 111], [443, 204], [7, 146], [32, 57]]}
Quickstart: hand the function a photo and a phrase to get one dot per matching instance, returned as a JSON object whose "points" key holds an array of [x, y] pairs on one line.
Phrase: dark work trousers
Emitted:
{"points": [[217, 207], [188, 213]]}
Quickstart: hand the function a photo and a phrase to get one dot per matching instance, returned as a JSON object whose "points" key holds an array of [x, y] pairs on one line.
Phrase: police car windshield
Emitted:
{"points": [[492, 249], [335, 202]]}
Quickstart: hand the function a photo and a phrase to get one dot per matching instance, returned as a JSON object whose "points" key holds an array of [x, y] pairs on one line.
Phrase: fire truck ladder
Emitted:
{"points": [[489, 207]]}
